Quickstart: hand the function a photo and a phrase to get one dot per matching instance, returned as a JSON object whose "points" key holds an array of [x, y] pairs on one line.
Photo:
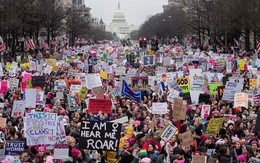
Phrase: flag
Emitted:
{"points": [[3, 47], [29, 44], [127, 91]]}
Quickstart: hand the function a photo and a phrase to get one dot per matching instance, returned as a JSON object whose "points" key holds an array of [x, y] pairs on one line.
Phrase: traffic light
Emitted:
{"points": [[143, 43]]}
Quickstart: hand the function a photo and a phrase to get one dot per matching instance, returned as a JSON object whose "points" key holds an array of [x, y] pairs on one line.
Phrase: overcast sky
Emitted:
{"points": [[136, 11]]}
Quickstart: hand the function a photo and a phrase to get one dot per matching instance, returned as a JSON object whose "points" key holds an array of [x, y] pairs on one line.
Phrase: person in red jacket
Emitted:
{"points": [[153, 140]]}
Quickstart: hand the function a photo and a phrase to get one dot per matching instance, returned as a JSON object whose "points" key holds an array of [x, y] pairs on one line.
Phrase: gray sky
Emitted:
{"points": [[136, 11]]}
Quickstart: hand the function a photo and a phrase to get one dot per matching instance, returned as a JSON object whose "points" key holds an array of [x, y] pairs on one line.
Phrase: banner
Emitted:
{"points": [[139, 83], [127, 91], [168, 132], [184, 84], [186, 139], [18, 108], [241, 100], [214, 126], [38, 81], [100, 135], [179, 110], [14, 147], [97, 105], [159, 108], [40, 128]]}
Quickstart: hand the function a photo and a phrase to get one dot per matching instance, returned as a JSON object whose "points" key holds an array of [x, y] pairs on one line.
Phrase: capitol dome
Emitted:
{"points": [[119, 17]]}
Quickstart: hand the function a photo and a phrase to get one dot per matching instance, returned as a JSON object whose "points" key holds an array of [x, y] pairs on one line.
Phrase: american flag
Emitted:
{"points": [[29, 44], [2, 47]]}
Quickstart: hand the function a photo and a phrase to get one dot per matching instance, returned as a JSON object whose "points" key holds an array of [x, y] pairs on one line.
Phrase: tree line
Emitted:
{"points": [[220, 22]]}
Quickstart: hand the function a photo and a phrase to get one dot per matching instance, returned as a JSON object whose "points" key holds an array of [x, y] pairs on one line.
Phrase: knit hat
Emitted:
{"points": [[241, 158], [140, 136], [5, 161], [146, 160], [49, 159], [130, 141], [75, 152], [142, 153]]}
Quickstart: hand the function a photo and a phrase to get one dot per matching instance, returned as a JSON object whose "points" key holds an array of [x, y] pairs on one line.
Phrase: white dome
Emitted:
{"points": [[119, 17]]}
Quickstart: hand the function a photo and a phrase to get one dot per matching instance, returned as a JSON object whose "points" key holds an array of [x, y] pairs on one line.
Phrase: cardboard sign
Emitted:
{"points": [[2, 122], [179, 110], [18, 108], [97, 105], [98, 90], [100, 135], [184, 84], [186, 139], [40, 128], [159, 108], [214, 126], [241, 100], [199, 159], [14, 147], [139, 83], [168, 132]]}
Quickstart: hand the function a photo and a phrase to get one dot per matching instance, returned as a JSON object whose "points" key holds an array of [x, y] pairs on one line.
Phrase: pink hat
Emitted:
{"points": [[66, 117], [206, 115], [203, 138], [75, 152], [241, 158], [180, 161], [46, 109], [137, 122], [62, 111], [5, 161], [49, 159], [146, 160]]}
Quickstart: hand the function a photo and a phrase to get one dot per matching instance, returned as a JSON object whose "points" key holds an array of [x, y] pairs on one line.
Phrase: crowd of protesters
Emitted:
{"points": [[236, 142]]}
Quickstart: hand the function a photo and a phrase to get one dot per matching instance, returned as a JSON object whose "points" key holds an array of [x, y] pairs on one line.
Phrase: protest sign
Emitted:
{"points": [[120, 71], [186, 139], [75, 88], [12, 71], [161, 70], [100, 135], [120, 120], [257, 127], [205, 111], [186, 97], [148, 60], [139, 83], [241, 100], [220, 91], [98, 90], [159, 108], [40, 128], [59, 85], [253, 83], [60, 153], [39, 97], [13, 82], [172, 95], [72, 73], [74, 102], [4, 87], [168, 132], [198, 82], [199, 159], [61, 134], [184, 84], [82, 93], [93, 81], [14, 147], [214, 126], [103, 75], [179, 110], [97, 105], [38, 81], [2, 122], [30, 98], [1, 70], [213, 88], [18, 108], [230, 89]]}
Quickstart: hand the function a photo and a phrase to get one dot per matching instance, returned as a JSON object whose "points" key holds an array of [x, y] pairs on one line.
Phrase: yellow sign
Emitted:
{"points": [[184, 84], [252, 83], [25, 64], [82, 93], [214, 126], [242, 65], [103, 75]]}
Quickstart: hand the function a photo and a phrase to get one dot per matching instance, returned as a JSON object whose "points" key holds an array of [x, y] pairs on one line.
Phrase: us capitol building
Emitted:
{"points": [[119, 26]]}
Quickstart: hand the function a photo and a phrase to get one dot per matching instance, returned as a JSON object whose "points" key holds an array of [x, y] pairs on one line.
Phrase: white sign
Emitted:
{"points": [[75, 88], [93, 80], [173, 94], [18, 108], [159, 108], [168, 132], [30, 98], [241, 100]]}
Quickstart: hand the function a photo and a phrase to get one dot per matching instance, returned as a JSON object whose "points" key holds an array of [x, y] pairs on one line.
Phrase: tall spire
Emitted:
{"points": [[118, 6]]}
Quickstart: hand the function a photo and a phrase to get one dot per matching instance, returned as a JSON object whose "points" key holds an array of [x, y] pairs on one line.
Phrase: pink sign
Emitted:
{"points": [[26, 76], [4, 87]]}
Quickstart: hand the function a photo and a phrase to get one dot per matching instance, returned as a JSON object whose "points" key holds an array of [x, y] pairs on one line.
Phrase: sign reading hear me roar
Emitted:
{"points": [[99, 135]]}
